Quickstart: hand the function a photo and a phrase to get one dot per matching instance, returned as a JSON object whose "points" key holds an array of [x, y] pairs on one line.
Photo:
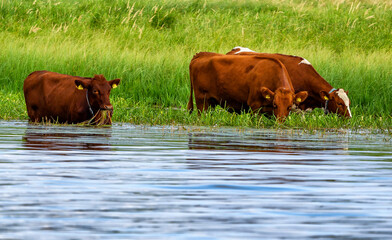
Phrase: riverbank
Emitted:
{"points": [[137, 113], [149, 45]]}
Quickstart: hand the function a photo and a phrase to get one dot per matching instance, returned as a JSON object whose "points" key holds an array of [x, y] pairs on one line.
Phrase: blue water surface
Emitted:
{"points": [[165, 182]]}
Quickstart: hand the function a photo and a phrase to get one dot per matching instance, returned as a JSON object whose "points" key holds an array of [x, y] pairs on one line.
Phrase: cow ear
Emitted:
{"points": [[300, 97], [267, 94], [324, 95], [82, 84], [114, 83]]}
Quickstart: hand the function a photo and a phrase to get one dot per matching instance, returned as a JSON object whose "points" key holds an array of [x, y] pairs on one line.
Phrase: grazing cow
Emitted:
{"points": [[242, 82], [63, 98], [305, 78]]}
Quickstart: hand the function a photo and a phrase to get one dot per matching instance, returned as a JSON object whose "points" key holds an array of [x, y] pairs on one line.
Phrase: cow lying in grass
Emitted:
{"points": [[61, 98], [240, 83]]}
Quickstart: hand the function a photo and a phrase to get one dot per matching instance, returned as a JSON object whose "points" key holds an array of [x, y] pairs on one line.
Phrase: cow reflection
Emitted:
{"points": [[264, 142], [216, 142], [53, 139]]}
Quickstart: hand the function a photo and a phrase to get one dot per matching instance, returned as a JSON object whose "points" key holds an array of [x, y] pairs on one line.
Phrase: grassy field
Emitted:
{"points": [[149, 44]]}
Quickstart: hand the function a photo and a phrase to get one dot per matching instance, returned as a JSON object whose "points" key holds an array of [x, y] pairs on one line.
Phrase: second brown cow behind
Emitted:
{"points": [[239, 83], [305, 78]]}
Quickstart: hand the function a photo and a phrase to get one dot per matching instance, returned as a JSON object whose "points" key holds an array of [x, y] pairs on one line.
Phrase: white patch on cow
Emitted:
{"points": [[242, 49], [304, 61], [343, 95]]}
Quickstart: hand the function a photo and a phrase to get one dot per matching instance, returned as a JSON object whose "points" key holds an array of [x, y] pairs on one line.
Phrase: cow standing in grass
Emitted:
{"points": [[305, 78], [61, 98], [239, 83]]}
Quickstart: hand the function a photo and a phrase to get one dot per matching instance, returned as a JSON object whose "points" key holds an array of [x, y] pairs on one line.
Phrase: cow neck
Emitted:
{"points": [[315, 81], [326, 111], [286, 80], [317, 86], [88, 103]]}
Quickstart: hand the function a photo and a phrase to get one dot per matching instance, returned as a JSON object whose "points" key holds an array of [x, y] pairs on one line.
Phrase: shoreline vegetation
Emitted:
{"points": [[149, 44]]}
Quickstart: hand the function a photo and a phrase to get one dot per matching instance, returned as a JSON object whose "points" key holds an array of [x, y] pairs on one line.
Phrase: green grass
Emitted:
{"points": [[149, 44]]}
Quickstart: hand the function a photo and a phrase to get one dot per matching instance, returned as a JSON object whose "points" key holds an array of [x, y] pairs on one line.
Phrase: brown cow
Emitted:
{"points": [[63, 98], [305, 78], [242, 82]]}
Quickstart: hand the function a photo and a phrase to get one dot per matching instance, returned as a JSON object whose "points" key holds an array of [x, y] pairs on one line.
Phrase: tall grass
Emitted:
{"points": [[149, 44]]}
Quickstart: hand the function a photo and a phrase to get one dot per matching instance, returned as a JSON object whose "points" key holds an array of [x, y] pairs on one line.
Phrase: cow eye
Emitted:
{"points": [[95, 91], [275, 105]]}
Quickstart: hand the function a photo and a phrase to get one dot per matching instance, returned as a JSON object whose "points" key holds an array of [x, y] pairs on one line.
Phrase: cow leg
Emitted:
{"points": [[202, 104], [212, 102], [33, 113], [302, 106]]}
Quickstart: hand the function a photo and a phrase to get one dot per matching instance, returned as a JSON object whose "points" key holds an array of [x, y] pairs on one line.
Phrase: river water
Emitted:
{"points": [[138, 182]]}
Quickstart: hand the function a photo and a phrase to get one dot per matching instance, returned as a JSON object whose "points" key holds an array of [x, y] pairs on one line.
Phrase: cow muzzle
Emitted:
{"points": [[103, 117], [107, 108], [281, 119]]}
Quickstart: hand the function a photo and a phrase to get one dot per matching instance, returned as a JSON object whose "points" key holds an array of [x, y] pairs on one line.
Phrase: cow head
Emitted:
{"points": [[98, 91], [337, 101], [282, 100]]}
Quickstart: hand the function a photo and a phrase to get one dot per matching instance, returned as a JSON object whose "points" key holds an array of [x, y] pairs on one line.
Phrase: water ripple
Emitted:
{"points": [[137, 182], [232, 187]]}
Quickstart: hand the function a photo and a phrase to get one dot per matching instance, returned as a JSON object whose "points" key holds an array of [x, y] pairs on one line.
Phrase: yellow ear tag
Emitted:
{"points": [[267, 97], [326, 98], [114, 85], [80, 87], [299, 99]]}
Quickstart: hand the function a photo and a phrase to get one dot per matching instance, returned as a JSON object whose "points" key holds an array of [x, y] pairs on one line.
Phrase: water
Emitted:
{"points": [[135, 182]]}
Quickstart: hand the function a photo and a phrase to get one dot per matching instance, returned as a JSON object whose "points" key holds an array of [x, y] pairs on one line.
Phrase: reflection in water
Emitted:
{"points": [[66, 138], [284, 142], [160, 183]]}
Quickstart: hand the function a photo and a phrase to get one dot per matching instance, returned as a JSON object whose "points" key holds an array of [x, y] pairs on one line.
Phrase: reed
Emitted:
{"points": [[149, 44]]}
